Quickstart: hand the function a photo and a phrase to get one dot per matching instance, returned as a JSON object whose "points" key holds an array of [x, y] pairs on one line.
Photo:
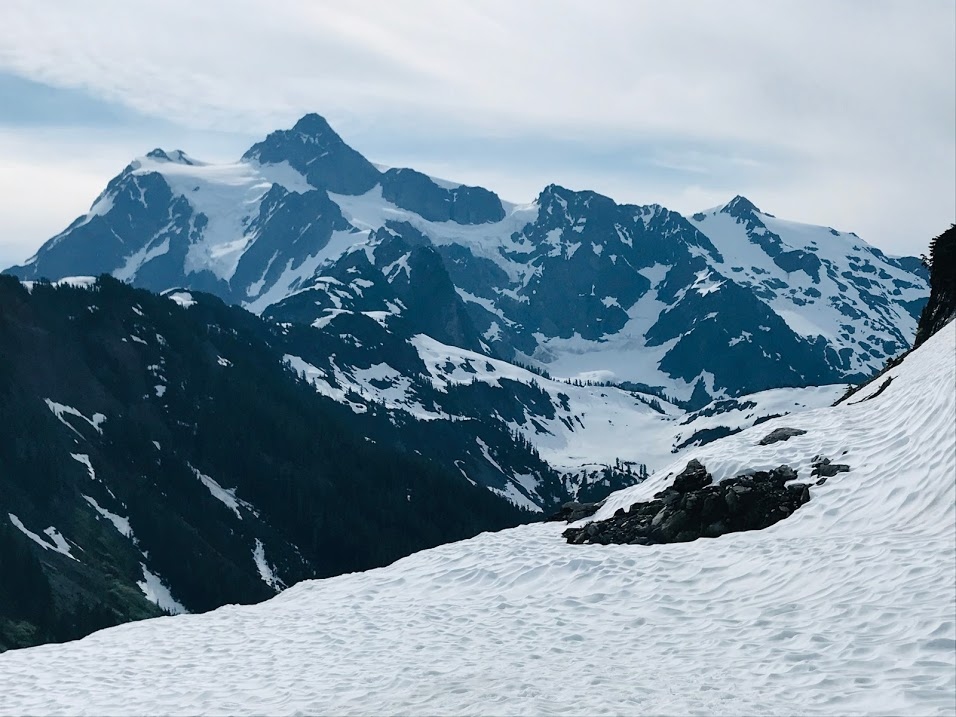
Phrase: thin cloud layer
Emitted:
{"points": [[837, 113]]}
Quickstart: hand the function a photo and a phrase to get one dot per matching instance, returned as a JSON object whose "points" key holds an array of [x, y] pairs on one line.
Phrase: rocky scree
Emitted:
{"points": [[574, 511], [693, 507]]}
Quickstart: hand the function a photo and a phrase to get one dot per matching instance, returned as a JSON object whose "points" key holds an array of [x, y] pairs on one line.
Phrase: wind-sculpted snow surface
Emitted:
{"points": [[846, 607]]}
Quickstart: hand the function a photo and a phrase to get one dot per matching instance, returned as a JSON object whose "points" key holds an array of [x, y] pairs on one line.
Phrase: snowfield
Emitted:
{"points": [[847, 607], [592, 426]]}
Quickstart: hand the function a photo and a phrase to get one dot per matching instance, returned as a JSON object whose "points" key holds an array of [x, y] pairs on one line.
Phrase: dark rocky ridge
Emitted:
{"points": [[419, 193], [313, 148]]}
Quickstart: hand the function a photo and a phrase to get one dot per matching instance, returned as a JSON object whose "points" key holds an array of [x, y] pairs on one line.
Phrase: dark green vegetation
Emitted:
{"points": [[942, 298], [323, 489]]}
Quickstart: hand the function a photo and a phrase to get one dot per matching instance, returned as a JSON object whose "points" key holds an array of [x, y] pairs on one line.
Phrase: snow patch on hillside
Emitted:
{"points": [[60, 410], [266, 571], [156, 591], [226, 496], [183, 298], [58, 544], [119, 522], [84, 460]]}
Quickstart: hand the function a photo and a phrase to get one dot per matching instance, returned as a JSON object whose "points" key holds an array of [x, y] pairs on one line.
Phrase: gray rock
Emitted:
{"points": [[730, 498], [783, 474], [573, 511], [780, 434], [823, 467], [670, 497], [693, 477]]}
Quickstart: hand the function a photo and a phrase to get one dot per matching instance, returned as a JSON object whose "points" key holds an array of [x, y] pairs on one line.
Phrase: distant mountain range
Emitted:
{"points": [[844, 605], [304, 228]]}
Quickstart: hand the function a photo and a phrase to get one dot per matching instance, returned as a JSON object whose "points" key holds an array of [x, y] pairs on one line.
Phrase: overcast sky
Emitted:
{"points": [[829, 112]]}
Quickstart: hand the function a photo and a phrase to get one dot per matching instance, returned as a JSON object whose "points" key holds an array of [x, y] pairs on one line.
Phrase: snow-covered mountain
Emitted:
{"points": [[303, 228], [871, 301], [844, 607]]}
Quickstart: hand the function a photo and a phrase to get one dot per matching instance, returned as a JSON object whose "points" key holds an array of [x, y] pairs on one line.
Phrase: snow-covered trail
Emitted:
{"points": [[848, 607]]}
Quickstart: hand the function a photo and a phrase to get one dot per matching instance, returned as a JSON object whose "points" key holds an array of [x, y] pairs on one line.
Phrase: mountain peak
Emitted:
{"points": [[552, 191], [314, 125], [313, 148], [739, 207], [176, 156]]}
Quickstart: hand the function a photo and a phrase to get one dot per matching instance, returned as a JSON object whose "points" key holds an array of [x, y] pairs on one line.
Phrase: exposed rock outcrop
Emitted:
{"points": [[781, 434], [823, 468], [574, 511], [941, 307], [694, 508]]}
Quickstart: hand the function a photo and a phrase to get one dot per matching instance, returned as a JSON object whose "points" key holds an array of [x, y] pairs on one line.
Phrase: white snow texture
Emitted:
{"points": [[847, 607]]}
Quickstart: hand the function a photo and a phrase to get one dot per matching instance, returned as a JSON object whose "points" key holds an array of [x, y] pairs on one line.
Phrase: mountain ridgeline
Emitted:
{"points": [[304, 228]]}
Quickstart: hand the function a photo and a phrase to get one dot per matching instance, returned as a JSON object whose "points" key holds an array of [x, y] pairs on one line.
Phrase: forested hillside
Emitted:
{"points": [[161, 455]]}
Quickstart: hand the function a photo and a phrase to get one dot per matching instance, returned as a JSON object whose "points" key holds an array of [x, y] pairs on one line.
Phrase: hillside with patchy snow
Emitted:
{"points": [[157, 454], [846, 607], [573, 425]]}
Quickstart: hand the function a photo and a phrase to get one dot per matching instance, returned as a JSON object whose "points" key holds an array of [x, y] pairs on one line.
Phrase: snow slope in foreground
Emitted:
{"points": [[847, 607]]}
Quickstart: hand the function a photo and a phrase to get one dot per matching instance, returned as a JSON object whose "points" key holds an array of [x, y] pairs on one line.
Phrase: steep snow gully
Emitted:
{"points": [[846, 607]]}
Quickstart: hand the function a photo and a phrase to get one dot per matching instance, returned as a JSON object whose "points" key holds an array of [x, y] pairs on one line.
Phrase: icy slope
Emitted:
{"points": [[845, 608]]}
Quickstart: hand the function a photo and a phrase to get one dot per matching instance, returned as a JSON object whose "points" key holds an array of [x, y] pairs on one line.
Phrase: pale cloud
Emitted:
{"points": [[839, 113], [29, 190], [38, 182], [51, 175]]}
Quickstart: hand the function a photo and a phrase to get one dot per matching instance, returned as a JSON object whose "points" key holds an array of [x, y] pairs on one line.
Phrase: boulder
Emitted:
{"points": [[821, 466], [693, 477], [780, 434], [782, 474]]}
